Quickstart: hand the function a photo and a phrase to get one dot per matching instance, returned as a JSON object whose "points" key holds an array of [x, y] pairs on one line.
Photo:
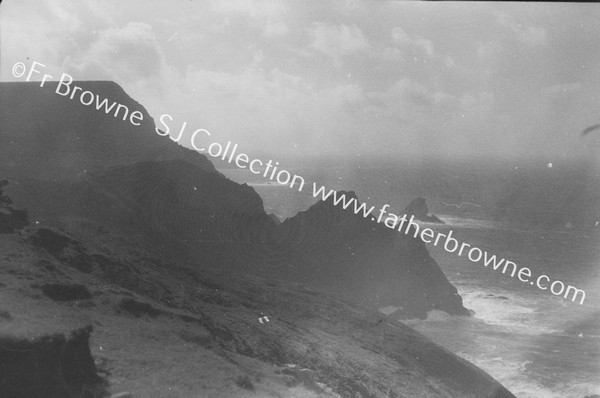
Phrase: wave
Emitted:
{"points": [[508, 310], [470, 223]]}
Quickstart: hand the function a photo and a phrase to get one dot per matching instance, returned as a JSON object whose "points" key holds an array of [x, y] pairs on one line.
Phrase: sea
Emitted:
{"points": [[540, 213]]}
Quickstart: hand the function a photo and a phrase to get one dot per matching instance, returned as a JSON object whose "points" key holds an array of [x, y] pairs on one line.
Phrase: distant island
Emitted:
{"points": [[418, 208]]}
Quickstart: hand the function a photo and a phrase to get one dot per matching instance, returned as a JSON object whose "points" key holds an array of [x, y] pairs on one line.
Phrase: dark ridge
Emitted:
{"points": [[50, 136], [366, 262]]}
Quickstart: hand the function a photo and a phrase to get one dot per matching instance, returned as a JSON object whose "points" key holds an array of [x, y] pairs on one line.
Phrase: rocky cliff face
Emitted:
{"points": [[48, 136], [337, 250]]}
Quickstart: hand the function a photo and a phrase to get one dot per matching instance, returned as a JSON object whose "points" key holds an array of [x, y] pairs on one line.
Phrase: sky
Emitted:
{"points": [[356, 78]]}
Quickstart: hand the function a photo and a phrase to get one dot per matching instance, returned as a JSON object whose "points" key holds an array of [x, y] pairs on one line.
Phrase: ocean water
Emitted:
{"points": [[536, 344]]}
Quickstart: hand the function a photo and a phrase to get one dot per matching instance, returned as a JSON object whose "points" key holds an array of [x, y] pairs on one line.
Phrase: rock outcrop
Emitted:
{"points": [[418, 208], [49, 366], [10, 219], [337, 250]]}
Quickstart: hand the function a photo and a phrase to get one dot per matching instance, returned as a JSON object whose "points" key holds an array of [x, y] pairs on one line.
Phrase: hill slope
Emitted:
{"points": [[50, 136], [162, 330]]}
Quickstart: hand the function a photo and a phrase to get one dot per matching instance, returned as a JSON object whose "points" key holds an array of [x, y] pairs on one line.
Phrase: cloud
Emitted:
{"points": [[47, 35], [534, 36], [449, 62], [337, 41], [561, 89], [425, 45], [479, 103], [255, 9], [275, 29], [417, 94], [486, 50], [400, 36], [130, 52], [275, 108], [530, 35], [404, 41], [266, 73]]}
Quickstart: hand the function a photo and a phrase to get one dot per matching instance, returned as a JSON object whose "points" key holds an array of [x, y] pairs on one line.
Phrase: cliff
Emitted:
{"points": [[146, 225], [48, 136], [337, 250]]}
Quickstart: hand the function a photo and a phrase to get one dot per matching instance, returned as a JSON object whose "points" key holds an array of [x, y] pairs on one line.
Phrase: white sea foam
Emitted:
{"points": [[508, 310], [458, 222]]}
